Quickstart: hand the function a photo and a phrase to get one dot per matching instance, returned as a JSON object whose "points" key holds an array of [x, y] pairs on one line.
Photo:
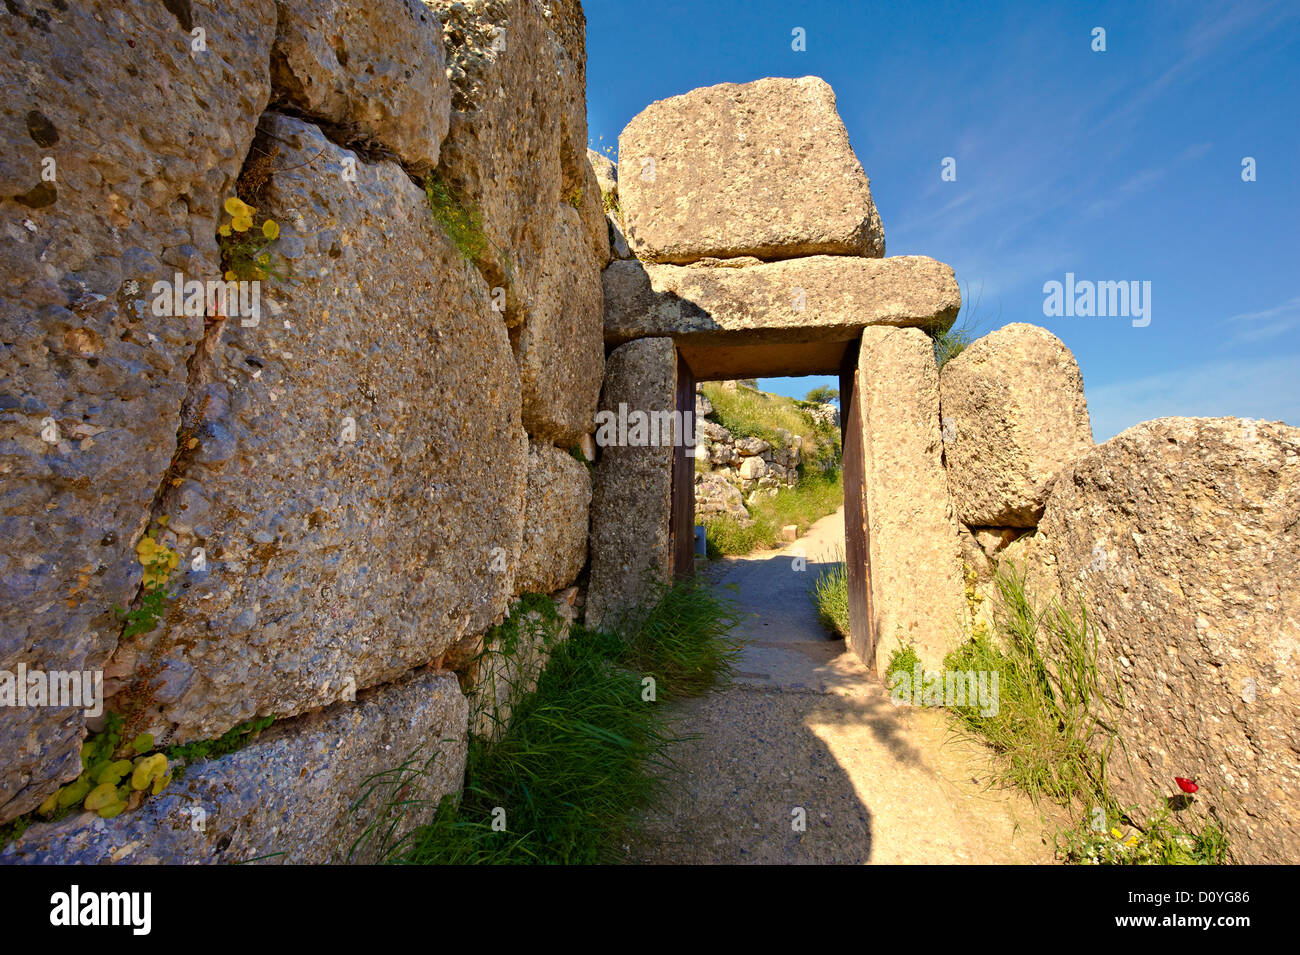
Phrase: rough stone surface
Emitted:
{"points": [[555, 524], [1013, 415], [917, 593], [820, 298], [373, 69], [502, 154], [715, 495], [284, 798], [606, 171], [499, 677], [1182, 536], [560, 350], [762, 169], [359, 471], [136, 197], [631, 502]]}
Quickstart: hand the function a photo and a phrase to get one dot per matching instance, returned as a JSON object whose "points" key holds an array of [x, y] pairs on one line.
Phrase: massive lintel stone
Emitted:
{"points": [[119, 145], [287, 797], [762, 169], [358, 469], [555, 526], [632, 500], [1014, 414], [1183, 536], [373, 69], [917, 593], [824, 298]]}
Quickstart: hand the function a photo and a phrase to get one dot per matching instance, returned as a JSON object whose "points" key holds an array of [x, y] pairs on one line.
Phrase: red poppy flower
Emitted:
{"points": [[1186, 785]]}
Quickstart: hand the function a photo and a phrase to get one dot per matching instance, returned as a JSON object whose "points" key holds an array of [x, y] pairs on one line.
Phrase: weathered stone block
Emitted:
{"points": [[358, 476], [558, 499], [917, 592], [1181, 535], [119, 147], [502, 154], [286, 797], [762, 169], [631, 502], [743, 301], [1014, 414], [560, 350], [373, 68]]}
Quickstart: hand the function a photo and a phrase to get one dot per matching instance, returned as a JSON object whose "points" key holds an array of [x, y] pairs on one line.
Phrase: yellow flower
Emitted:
{"points": [[238, 208], [270, 229], [230, 276], [242, 223], [1117, 834], [224, 230], [1132, 840], [263, 259]]}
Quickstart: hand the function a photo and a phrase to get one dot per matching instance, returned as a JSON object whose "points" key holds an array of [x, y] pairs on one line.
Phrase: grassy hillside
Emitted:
{"points": [[749, 413]]}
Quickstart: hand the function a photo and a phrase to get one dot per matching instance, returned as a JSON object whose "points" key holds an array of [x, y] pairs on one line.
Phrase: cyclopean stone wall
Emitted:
{"points": [[361, 479]]}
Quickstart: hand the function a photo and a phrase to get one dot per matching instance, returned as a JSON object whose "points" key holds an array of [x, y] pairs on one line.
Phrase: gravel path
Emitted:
{"points": [[804, 726]]}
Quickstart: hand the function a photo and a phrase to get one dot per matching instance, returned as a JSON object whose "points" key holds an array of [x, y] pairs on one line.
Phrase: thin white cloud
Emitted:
{"points": [[1267, 388], [1268, 323]]}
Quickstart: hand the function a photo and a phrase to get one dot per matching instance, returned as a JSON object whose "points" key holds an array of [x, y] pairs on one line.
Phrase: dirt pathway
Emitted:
{"points": [[805, 726]]}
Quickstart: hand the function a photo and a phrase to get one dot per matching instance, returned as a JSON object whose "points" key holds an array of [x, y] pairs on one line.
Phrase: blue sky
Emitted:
{"points": [[1120, 165]]}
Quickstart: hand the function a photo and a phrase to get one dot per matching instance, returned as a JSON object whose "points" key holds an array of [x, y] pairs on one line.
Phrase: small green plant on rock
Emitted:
{"points": [[114, 777]]}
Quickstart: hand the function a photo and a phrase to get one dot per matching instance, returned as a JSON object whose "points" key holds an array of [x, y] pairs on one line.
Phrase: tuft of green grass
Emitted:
{"points": [[817, 494], [830, 595], [609, 202], [583, 751], [1053, 735], [1050, 731]]}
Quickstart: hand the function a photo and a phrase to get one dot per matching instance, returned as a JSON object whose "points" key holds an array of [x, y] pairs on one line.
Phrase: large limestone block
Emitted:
{"points": [[631, 502], [606, 172], [119, 146], [374, 69], [820, 298], [762, 169], [558, 499], [917, 591], [502, 153], [1183, 536], [358, 478], [578, 185], [1014, 414], [560, 350], [285, 798]]}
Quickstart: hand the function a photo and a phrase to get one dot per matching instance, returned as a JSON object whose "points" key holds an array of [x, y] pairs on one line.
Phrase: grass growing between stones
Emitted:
{"points": [[817, 494], [1052, 734], [462, 224], [830, 595], [587, 748]]}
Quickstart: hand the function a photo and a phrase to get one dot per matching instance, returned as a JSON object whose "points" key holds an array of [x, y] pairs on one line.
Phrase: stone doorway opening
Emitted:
{"points": [[700, 363]]}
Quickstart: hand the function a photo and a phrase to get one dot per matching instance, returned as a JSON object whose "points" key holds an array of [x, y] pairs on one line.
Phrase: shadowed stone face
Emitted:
{"points": [[823, 298]]}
